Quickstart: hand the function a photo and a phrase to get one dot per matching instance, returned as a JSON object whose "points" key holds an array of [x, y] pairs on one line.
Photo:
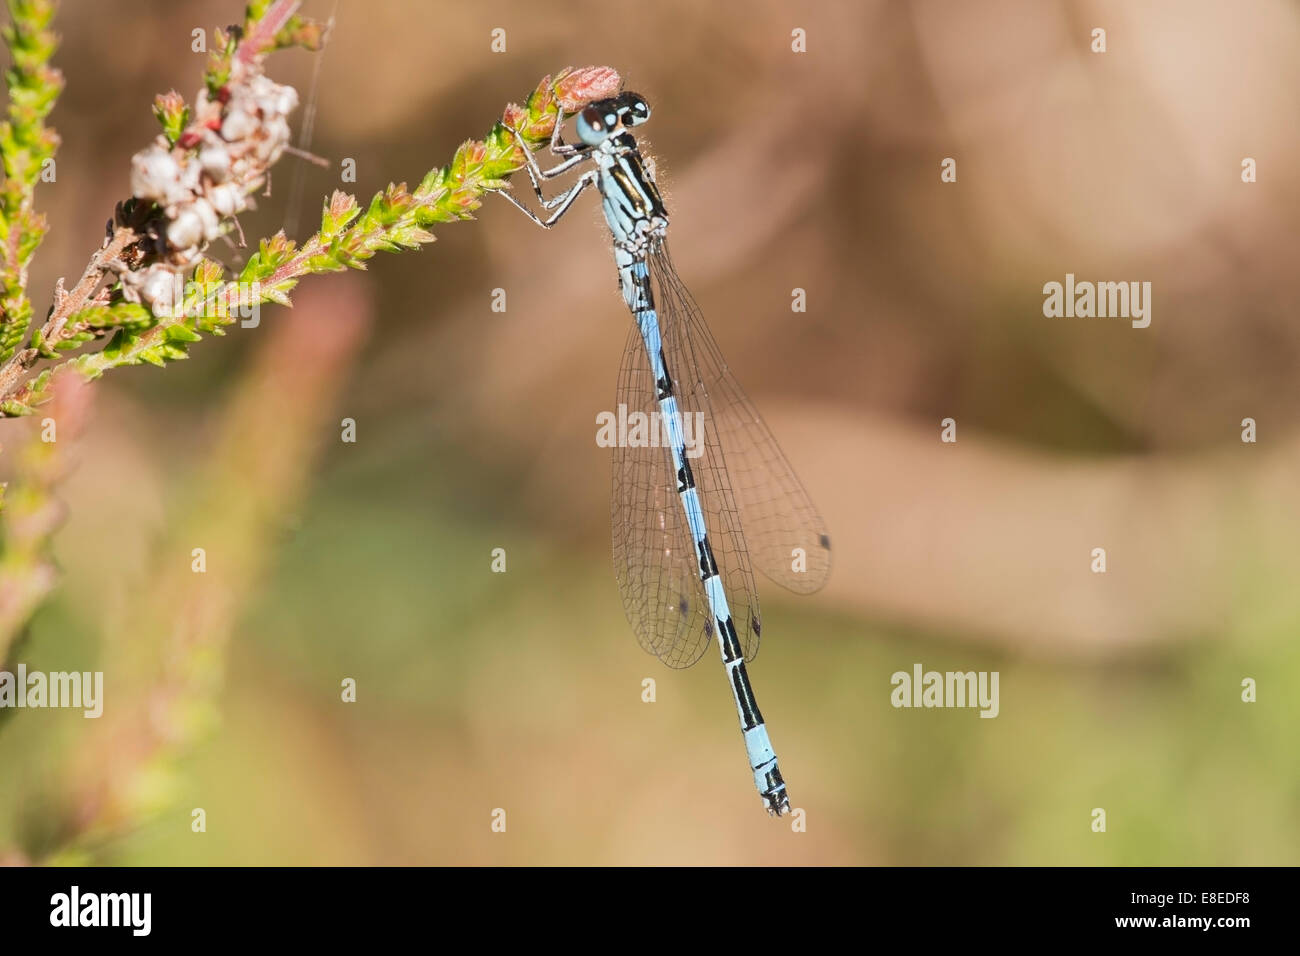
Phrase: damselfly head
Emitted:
{"points": [[604, 118]]}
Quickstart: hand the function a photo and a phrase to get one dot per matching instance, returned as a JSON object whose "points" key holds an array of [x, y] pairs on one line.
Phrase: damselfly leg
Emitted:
{"points": [[561, 203]]}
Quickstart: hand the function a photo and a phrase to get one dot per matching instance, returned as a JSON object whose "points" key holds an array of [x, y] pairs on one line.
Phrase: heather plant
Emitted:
{"points": [[188, 187], [151, 292]]}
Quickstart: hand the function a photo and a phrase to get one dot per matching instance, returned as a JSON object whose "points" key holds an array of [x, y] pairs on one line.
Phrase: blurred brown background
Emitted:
{"points": [[475, 431]]}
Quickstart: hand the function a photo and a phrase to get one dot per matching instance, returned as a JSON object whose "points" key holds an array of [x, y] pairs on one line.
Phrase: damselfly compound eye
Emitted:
{"points": [[633, 108], [591, 126]]}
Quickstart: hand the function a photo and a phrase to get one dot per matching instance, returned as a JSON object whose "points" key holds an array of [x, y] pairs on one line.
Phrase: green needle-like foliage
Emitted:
{"points": [[25, 146]]}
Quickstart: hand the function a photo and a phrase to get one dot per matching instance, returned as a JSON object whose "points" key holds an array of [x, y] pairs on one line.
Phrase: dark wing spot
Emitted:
{"points": [[825, 541], [684, 607], [757, 627]]}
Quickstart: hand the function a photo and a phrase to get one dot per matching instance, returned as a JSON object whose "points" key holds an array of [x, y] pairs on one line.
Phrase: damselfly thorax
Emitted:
{"points": [[631, 201]]}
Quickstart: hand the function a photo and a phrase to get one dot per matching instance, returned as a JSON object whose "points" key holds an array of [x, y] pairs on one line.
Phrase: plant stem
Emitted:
{"points": [[66, 305]]}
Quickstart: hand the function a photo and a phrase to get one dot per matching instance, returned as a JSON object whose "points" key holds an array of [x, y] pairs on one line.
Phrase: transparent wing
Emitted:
{"points": [[654, 557], [786, 535], [686, 356]]}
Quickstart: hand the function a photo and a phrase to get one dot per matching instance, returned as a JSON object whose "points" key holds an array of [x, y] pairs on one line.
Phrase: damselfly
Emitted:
{"points": [[686, 525]]}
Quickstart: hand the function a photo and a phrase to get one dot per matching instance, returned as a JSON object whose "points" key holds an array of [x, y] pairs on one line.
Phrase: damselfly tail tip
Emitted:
{"points": [[777, 802], [771, 785], [778, 809]]}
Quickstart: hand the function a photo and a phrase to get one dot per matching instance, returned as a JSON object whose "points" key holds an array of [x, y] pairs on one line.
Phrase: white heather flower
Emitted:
{"points": [[214, 158], [158, 288], [155, 174], [186, 229], [190, 181], [277, 137], [238, 124], [211, 222], [197, 191], [271, 96], [278, 101], [241, 170], [227, 199]]}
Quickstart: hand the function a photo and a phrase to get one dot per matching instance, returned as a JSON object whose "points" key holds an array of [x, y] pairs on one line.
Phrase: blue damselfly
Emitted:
{"points": [[685, 526]]}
